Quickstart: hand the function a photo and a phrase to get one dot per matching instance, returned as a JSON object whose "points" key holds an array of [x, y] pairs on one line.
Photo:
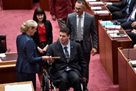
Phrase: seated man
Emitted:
{"points": [[69, 70], [121, 9], [132, 35], [127, 23]]}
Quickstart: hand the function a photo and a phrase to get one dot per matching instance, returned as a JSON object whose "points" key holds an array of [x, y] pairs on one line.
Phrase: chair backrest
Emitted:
{"points": [[3, 43]]}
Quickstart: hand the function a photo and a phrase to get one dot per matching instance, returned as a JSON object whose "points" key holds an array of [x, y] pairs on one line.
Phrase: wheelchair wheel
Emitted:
{"points": [[45, 82]]}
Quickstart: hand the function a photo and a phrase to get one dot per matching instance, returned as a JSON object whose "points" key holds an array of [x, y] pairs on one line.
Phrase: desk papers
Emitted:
{"points": [[22, 87], [98, 8], [102, 12], [2, 55], [96, 3], [90, 0], [113, 27], [112, 31]]}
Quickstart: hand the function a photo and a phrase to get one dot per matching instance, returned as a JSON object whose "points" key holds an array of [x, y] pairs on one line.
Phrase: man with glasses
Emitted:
{"points": [[82, 27]]}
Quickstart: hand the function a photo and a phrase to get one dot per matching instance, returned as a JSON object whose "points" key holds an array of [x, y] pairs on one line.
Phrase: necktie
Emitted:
{"points": [[127, 6], [79, 31], [66, 54], [132, 12]]}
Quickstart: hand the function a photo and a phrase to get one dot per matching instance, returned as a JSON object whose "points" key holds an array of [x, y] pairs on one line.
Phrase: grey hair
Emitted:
{"points": [[81, 1]]}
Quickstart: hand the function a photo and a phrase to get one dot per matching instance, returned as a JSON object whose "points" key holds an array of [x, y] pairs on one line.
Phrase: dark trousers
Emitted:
{"points": [[27, 77], [69, 79], [87, 58], [133, 37], [117, 12]]}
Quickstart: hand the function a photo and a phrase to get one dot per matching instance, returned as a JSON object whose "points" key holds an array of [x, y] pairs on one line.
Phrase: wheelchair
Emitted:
{"points": [[49, 85]]}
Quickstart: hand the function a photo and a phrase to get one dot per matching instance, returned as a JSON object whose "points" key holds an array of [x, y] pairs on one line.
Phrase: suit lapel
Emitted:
{"points": [[85, 23], [71, 50], [75, 22]]}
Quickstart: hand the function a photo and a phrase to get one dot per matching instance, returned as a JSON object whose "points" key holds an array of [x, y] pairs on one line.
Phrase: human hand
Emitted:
{"points": [[53, 17], [46, 57], [45, 48], [40, 50], [94, 51], [134, 31], [51, 61], [84, 79], [133, 24]]}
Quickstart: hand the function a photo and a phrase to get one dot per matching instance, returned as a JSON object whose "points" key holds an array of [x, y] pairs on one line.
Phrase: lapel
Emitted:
{"points": [[85, 23], [75, 22], [71, 50]]}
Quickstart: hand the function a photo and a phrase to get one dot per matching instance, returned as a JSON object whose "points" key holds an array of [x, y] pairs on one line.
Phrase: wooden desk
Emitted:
{"points": [[2, 86], [109, 53], [98, 17], [44, 4], [7, 68], [17, 4], [127, 75]]}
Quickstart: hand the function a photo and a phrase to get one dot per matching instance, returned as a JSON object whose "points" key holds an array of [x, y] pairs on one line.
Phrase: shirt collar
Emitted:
{"points": [[81, 15], [68, 45]]}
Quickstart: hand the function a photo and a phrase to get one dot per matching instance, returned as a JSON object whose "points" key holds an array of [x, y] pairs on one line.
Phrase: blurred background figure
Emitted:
{"points": [[42, 37], [59, 9]]}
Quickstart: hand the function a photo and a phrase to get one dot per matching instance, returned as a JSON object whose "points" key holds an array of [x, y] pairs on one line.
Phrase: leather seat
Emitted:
{"points": [[3, 44]]}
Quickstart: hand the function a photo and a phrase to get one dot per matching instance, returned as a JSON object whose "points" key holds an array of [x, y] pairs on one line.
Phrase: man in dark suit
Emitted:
{"points": [[132, 33], [121, 9], [82, 26], [69, 70]]}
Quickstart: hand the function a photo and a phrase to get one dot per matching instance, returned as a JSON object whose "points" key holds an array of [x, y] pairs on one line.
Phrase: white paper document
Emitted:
{"points": [[113, 31], [113, 27], [133, 62], [98, 8], [108, 21], [102, 12], [22, 87], [90, 0], [2, 55], [96, 3]]}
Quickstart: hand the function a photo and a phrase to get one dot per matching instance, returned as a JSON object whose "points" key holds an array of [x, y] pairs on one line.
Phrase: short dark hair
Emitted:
{"points": [[65, 30], [39, 11], [81, 1]]}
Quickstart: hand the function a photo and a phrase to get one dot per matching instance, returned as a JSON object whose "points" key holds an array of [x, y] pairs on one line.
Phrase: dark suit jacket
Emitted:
{"points": [[49, 38], [61, 8], [76, 62], [121, 6], [89, 28], [27, 60]]}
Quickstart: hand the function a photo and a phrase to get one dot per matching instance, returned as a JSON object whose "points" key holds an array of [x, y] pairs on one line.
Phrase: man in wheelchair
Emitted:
{"points": [[68, 70]]}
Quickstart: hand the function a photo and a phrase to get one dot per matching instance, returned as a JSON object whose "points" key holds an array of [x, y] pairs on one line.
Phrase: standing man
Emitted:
{"points": [[82, 27], [59, 9], [69, 70]]}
